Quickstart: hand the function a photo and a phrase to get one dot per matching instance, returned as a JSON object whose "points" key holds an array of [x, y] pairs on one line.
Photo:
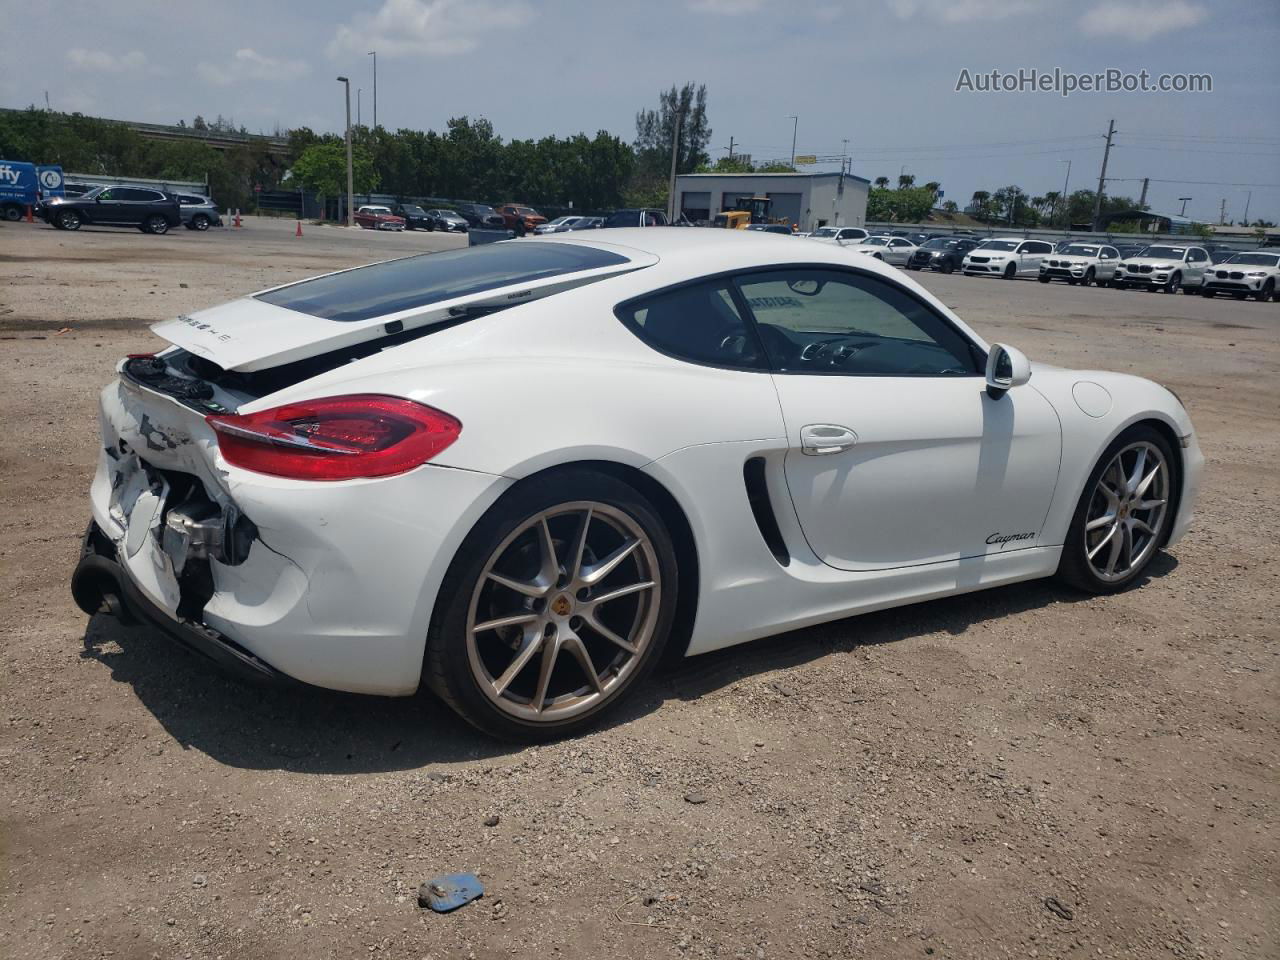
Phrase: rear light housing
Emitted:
{"points": [[336, 438]]}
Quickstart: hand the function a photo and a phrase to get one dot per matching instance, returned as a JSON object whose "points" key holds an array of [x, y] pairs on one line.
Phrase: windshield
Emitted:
{"points": [[999, 245], [940, 243], [90, 194], [1080, 250], [1255, 259], [1164, 253], [876, 242], [375, 209], [384, 288], [414, 210], [824, 232]]}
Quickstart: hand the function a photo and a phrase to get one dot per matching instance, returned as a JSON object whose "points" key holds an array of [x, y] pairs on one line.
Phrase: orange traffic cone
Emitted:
{"points": [[237, 220], [30, 219], [298, 232]]}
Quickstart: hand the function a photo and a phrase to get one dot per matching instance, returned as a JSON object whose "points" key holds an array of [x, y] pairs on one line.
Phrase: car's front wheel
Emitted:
{"points": [[1089, 277], [1267, 292], [200, 222], [1010, 272], [1123, 515], [556, 606], [69, 220]]}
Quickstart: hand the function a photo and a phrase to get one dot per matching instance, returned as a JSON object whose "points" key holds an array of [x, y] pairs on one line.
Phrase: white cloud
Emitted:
{"points": [[729, 8], [248, 64], [961, 11], [434, 27], [100, 61], [1141, 20]]}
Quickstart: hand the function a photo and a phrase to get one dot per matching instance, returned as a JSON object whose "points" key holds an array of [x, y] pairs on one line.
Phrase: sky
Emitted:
{"points": [[879, 74]]}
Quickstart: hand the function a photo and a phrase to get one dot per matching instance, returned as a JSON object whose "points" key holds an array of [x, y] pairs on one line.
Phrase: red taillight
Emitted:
{"points": [[336, 438]]}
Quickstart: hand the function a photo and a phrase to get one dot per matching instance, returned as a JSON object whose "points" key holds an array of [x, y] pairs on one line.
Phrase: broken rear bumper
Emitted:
{"points": [[101, 585]]}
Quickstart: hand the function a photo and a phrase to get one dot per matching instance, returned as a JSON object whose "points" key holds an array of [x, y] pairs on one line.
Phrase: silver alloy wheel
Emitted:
{"points": [[1127, 512], [579, 579]]}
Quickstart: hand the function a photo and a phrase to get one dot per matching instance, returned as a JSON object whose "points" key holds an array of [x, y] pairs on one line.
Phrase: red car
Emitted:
{"points": [[521, 219], [378, 218]]}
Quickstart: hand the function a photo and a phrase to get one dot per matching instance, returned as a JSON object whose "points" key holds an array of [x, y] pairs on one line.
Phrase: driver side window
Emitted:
{"points": [[832, 322]]}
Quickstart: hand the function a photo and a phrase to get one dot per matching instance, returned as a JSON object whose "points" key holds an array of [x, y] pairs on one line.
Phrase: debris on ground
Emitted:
{"points": [[450, 891]]}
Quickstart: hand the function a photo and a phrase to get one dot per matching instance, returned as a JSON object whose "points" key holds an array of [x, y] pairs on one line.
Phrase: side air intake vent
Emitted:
{"points": [[762, 509]]}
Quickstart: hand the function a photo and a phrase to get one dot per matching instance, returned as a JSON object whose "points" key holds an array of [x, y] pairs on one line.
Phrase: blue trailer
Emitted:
{"points": [[24, 185]]}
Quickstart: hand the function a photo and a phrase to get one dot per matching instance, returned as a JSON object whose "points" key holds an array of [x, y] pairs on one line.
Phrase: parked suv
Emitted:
{"points": [[198, 213], [941, 253], [1166, 267], [1085, 263], [151, 211], [480, 215], [1006, 257], [521, 219], [1256, 272]]}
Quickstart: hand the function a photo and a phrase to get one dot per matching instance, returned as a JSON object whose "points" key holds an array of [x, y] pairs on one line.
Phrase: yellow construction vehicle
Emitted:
{"points": [[747, 211]]}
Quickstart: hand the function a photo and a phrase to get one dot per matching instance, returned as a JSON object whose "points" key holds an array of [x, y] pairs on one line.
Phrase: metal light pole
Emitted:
{"points": [[1063, 199], [1184, 205], [351, 189], [675, 153], [374, 54], [795, 126], [359, 99]]}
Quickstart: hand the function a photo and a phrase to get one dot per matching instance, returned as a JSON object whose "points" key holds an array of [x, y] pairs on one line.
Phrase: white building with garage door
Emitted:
{"points": [[808, 200]]}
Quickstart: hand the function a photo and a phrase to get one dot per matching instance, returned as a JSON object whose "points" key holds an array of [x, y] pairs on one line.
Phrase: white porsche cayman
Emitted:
{"points": [[517, 472]]}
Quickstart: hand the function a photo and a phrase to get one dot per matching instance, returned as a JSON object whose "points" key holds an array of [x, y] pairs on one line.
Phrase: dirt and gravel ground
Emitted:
{"points": [[907, 784]]}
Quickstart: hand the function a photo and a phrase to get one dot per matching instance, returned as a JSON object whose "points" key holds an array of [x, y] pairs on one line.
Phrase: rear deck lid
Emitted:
{"points": [[326, 313]]}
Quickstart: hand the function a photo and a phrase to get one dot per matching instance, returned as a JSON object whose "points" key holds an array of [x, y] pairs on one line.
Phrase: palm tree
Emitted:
{"points": [[1051, 200], [1037, 204], [906, 181], [933, 186], [882, 182], [979, 203]]}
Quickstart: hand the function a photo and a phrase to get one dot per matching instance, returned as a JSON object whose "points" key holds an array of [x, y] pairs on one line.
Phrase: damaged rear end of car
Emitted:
{"points": [[244, 527]]}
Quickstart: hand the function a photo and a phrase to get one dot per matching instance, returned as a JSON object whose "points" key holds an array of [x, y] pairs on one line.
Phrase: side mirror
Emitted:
{"points": [[1007, 367]]}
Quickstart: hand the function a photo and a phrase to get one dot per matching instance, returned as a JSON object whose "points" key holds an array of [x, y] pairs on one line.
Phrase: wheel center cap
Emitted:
{"points": [[562, 605]]}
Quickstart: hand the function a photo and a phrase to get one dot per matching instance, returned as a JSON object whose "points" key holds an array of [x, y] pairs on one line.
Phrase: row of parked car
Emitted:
{"points": [[1169, 267], [519, 218]]}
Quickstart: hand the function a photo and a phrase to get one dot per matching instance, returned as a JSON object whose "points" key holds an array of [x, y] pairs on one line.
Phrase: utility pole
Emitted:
{"points": [[1142, 200], [730, 147], [675, 153], [1248, 197], [1066, 211], [351, 216], [795, 126], [1222, 213], [1102, 177], [374, 54], [1184, 205], [359, 90]]}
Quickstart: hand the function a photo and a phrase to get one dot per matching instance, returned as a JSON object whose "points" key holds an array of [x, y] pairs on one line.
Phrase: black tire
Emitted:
{"points": [[1074, 567], [1010, 272], [1267, 292], [69, 220], [1119, 284], [1089, 277], [1174, 284], [155, 224], [200, 222], [431, 226], [12, 213], [948, 267], [446, 665], [1043, 279], [1207, 293]]}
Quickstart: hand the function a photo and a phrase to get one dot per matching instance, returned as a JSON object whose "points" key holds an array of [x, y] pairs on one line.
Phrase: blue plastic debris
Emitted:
{"points": [[449, 891]]}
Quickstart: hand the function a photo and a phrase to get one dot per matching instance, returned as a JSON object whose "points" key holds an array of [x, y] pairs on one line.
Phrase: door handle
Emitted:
{"points": [[821, 439]]}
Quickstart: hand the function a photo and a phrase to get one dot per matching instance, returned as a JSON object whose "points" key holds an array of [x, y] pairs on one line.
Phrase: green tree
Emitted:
{"points": [[323, 168], [906, 181], [882, 182]]}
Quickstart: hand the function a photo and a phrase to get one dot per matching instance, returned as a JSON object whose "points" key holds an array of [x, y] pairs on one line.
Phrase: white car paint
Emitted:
{"points": [[838, 235], [1255, 273], [1167, 265], [1081, 263], [341, 582], [993, 257], [895, 250]]}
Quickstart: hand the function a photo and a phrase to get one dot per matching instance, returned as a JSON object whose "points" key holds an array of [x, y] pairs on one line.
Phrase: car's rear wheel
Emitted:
{"points": [[557, 604], [69, 220], [12, 213], [1123, 515], [155, 224]]}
